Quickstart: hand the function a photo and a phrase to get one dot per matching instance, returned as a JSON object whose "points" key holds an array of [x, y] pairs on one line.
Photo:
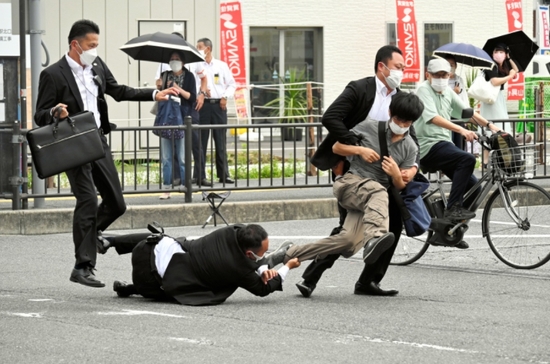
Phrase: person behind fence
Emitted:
{"points": [[504, 71], [433, 129], [369, 96], [79, 81], [362, 191], [184, 82], [457, 84], [205, 271], [221, 86], [199, 174]]}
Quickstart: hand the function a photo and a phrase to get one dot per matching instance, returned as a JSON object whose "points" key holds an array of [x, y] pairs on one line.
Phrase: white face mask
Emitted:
{"points": [[201, 52], [87, 57], [394, 79], [396, 129], [257, 257], [176, 66], [439, 84]]}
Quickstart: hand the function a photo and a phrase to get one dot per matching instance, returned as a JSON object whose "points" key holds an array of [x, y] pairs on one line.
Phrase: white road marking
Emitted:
{"points": [[192, 341], [40, 299], [26, 315], [352, 338], [138, 313]]}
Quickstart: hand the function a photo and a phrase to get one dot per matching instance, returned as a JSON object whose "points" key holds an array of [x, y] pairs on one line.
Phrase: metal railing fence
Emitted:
{"points": [[267, 156]]}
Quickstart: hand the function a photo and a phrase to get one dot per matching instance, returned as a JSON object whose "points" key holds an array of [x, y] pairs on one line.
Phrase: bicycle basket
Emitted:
{"points": [[517, 161]]}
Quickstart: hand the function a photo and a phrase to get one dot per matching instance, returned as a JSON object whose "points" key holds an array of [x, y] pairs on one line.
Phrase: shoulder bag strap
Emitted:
{"points": [[405, 215]]}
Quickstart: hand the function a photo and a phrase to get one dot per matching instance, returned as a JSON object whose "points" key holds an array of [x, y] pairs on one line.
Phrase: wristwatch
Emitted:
{"points": [[203, 93], [224, 97]]}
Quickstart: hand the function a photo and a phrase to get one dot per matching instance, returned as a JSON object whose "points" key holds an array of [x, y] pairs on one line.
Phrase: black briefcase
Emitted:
{"points": [[65, 144]]}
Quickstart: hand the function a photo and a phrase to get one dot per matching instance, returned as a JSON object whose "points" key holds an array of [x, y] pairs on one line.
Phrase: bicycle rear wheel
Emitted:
{"points": [[409, 250], [525, 244]]}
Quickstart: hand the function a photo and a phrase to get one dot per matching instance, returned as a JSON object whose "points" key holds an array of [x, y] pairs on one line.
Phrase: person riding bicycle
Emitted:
{"points": [[434, 133]]}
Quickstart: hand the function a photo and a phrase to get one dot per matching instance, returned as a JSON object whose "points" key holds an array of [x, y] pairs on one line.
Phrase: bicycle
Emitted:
{"points": [[514, 217]]}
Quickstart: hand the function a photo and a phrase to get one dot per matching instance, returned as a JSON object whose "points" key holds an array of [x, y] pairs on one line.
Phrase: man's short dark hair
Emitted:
{"points": [[251, 236], [81, 28], [406, 106], [207, 42], [384, 54]]}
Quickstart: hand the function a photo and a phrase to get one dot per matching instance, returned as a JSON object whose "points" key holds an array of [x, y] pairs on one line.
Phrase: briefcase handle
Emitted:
{"points": [[57, 119]]}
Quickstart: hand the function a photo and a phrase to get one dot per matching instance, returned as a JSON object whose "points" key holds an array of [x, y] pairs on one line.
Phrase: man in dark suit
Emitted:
{"points": [[370, 97], [78, 82], [205, 271]]}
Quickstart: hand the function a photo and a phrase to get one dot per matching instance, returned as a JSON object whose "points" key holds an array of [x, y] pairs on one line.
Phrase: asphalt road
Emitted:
{"points": [[453, 307]]}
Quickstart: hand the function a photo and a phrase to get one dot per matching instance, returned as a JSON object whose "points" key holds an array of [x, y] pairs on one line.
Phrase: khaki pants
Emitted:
{"points": [[367, 203]]}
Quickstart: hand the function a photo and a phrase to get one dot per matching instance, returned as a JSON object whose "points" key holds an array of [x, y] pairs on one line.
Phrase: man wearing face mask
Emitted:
{"points": [[221, 86], [362, 191], [367, 97], [204, 271], [79, 81], [433, 128]]}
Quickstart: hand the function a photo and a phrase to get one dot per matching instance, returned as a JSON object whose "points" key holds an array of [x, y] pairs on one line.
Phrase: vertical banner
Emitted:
{"points": [[408, 39], [232, 50], [515, 22], [543, 29]]}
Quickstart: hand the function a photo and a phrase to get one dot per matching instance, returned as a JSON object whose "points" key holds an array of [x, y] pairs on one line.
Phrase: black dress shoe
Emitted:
{"points": [[376, 246], [122, 289], [193, 181], [205, 182], [373, 289], [86, 277], [306, 289], [226, 180]]}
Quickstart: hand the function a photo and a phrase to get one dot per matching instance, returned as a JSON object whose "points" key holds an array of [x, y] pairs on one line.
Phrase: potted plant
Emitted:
{"points": [[294, 103]]}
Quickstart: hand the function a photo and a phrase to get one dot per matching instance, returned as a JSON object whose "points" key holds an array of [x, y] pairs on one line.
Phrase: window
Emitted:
{"points": [[274, 53], [436, 35]]}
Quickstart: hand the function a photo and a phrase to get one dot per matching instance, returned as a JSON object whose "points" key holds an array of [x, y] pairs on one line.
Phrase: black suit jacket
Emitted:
{"points": [[211, 270], [57, 85], [349, 109]]}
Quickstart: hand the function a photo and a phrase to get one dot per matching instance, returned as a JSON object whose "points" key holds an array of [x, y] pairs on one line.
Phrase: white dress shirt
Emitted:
{"points": [[220, 80], [380, 109], [84, 78]]}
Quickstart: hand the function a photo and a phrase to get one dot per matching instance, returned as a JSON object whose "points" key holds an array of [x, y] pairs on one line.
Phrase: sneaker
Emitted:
{"points": [[164, 196], [277, 256], [376, 246], [458, 213]]}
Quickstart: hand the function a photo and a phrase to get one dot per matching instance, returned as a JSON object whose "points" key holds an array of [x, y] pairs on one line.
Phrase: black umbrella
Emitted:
{"points": [[158, 47], [466, 54], [522, 48]]}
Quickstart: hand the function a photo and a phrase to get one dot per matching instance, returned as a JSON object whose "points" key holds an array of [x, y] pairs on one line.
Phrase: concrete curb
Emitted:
{"points": [[53, 221]]}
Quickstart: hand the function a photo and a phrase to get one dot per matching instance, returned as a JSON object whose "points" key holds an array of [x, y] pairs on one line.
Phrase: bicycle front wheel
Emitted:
{"points": [[409, 250], [519, 237]]}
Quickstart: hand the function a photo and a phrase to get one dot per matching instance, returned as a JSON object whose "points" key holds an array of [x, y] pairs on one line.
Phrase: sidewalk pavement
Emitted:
{"points": [[240, 207]]}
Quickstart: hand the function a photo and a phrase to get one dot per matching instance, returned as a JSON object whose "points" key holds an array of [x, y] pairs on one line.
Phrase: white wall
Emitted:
{"points": [[353, 30]]}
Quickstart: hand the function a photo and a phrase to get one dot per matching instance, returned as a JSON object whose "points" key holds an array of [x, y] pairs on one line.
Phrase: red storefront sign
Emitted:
{"points": [[408, 39], [232, 50], [515, 22]]}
